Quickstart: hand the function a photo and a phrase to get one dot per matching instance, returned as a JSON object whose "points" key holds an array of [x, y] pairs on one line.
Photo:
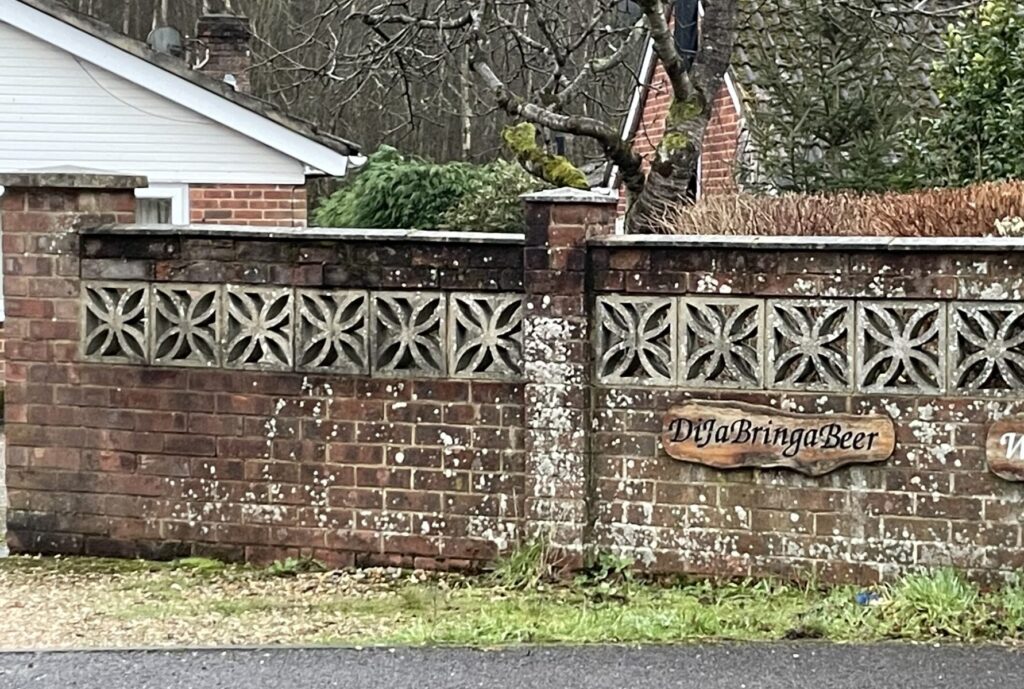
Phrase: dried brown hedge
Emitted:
{"points": [[965, 212]]}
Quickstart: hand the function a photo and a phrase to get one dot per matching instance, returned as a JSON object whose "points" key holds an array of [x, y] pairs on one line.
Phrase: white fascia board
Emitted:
{"points": [[636, 105], [734, 94], [174, 88]]}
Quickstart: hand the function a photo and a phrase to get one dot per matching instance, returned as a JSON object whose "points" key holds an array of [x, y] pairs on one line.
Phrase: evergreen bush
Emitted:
{"points": [[980, 83], [396, 191]]}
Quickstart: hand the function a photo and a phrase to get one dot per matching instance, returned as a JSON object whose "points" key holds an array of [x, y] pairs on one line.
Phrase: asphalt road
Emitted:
{"points": [[786, 666]]}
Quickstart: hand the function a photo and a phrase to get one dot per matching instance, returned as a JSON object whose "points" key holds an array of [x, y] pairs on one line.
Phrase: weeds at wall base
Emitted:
{"points": [[133, 603]]}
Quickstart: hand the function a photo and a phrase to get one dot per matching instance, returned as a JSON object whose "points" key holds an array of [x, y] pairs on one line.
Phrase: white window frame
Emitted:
{"points": [[178, 195]]}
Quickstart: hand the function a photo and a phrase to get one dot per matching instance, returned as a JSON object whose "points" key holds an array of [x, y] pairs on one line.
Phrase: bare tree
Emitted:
{"points": [[540, 63], [456, 78]]}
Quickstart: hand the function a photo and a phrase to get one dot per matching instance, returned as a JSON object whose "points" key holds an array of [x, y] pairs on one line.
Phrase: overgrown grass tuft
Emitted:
{"points": [[293, 566], [199, 564], [524, 567], [1009, 605], [934, 604]]}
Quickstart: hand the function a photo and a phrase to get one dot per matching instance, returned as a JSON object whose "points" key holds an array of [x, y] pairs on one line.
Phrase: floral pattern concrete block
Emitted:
{"points": [[115, 323], [636, 339], [901, 347], [810, 345], [333, 331], [186, 325], [987, 347], [486, 333], [258, 327], [408, 333], [722, 342]]}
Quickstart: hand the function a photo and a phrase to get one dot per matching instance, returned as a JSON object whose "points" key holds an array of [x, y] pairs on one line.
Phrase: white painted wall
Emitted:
{"points": [[58, 112]]}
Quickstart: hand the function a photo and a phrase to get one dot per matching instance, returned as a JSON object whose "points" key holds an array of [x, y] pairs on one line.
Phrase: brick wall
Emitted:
{"points": [[492, 403], [116, 459], [39, 245], [248, 204], [718, 159], [934, 503]]}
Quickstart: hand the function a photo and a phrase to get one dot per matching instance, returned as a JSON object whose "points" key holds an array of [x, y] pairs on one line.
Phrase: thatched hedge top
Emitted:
{"points": [[971, 211]]}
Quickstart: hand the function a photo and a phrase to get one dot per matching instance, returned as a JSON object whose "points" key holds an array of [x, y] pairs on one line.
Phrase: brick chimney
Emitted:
{"points": [[223, 51]]}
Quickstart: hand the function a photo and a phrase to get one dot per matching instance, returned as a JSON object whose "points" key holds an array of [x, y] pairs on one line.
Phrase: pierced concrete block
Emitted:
{"points": [[257, 327], [722, 342], [186, 325], [115, 322], [987, 347], [901, 347], [636, 340], [407, 333], [333, 331], [485, 336], [810, 345]]}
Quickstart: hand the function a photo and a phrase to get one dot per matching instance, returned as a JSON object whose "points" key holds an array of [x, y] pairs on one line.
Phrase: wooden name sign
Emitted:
{"points": [[733, 435], [1004, 448]]}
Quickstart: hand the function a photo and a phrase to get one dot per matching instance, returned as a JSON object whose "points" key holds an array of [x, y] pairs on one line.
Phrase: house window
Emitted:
{"points": [[153, 211], [162, 204]]}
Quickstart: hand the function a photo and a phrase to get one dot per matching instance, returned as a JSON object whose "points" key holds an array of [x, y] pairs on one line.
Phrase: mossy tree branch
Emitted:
{"points": [[556, 170], [693, 95], [615, 148]]}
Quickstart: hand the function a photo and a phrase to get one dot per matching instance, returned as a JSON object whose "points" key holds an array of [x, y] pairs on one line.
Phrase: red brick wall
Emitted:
{"points": [[133, 460], [933, 504], [249, 204], [721, 146]]}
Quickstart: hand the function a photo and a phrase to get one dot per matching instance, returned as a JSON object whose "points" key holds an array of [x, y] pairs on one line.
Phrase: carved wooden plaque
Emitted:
{"points": [[734, 435], [1004, 448]]}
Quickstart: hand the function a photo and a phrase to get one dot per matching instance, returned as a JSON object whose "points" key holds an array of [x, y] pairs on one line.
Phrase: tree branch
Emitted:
{"points": [[617, 150], [665, 46]]}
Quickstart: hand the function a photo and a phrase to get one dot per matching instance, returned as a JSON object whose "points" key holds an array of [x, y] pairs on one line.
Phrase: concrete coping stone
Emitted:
{"points": [[813, 243], [71, 180], [308, 233], [570, 195]]}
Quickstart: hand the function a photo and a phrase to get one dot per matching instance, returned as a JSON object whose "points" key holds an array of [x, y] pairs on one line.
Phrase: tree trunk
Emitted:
{"points": [[674, 164], [673, 169], [466, 105]]}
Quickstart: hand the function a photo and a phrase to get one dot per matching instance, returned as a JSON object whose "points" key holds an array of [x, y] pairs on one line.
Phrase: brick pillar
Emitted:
{"points": [[41, 216], [557, 361]]}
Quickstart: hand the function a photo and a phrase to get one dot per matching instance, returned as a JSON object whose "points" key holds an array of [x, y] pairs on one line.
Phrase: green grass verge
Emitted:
{"points": [[519, 603]]}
